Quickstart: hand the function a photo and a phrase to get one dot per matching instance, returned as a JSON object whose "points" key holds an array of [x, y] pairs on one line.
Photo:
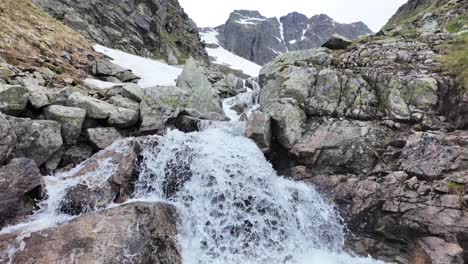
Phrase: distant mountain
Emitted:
{"points": [[260, 39]]}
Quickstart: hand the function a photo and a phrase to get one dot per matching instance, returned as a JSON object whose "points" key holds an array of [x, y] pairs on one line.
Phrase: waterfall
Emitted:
{"points": [[233, 207]]}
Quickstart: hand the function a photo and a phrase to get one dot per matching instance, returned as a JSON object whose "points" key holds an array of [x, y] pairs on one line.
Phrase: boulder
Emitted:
{"points": [[7, 139], [60, 96], [258, 129], [13, 99], [38, 98], [102, 137], [76, 154], [132, 91], [434, 250], [131, 233], [337, 42], [95, 108], [123, 118], [201, 94], [71, 118], [36, 139], [102, 179], [104, 68], [124, 102], [20, 185]]}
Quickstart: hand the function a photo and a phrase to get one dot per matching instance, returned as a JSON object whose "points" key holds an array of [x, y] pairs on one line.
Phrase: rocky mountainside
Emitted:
{"points": [[380, 127], [151, 28], [260, 39]]}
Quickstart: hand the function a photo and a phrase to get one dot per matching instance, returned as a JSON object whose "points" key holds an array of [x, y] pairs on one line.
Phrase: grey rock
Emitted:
{"points": [[124, 102], [103, 137], [38, 98], [139, 232], [76, 154], [107, 69], [95, 108], [13, 99], [36, 139], [123, 118], [20, 183], [71, 118], [151, 28], [337, 42], [7, 139], [133, 91], [431, 250], [258, 129]]}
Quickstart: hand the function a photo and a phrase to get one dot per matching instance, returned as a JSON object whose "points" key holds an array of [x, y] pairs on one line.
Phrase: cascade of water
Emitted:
{"points": [[233, 207]]}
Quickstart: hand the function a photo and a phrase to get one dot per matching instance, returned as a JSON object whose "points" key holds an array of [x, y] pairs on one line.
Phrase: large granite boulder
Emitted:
{"points": [[36, 139], [13, 99], [71, 118], [20, 185], [132, 233]]}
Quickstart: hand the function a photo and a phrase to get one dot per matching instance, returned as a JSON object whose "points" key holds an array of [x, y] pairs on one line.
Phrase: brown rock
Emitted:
{"points": [[258, 129], [433, 250], [132, 233]]}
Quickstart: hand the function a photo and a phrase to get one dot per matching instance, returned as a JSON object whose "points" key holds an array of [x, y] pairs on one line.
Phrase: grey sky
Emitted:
{"points": [[375, 13]]}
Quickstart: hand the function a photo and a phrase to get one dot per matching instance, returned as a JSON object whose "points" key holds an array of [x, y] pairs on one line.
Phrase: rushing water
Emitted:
{"points": [[233, 207]]}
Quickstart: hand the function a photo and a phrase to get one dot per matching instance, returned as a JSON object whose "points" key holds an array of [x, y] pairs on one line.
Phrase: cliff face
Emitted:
{"points": [[259, 39], [150, 28]]}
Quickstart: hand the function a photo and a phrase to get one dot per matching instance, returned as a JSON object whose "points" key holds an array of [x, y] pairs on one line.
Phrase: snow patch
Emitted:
{"points": [[150, 71], [224, 57]]}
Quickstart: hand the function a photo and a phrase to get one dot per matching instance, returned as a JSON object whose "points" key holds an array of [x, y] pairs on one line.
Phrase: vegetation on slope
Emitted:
{"points": [[31, 38], [456, 61]]}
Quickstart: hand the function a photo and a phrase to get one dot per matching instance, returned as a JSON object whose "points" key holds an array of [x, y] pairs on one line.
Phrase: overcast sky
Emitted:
{"points": [[375, 13]]}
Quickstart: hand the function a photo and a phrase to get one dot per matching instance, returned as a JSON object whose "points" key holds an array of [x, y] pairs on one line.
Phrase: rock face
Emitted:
{"points": [[260, 39], [382, 131], [20, 184], [150, 28], [138, 233]]}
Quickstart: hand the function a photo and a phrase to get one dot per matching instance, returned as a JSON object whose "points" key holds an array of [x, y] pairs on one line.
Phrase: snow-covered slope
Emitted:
{"points": [[151, 72], [224, 57]]}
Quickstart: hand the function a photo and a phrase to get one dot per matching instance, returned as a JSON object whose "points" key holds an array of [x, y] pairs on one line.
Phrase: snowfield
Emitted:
{"points": [[151, 72], [225, 57]]}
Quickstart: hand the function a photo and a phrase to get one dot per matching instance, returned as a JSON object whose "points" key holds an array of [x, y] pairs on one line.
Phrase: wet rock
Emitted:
{"points": [[433, 250], [337, 42], [138, 233], [13, 99], [36, 139], [258, 129], [102, 179], [20, 185], [103, 137], [7, 139], [76, 154], [71, 118]]}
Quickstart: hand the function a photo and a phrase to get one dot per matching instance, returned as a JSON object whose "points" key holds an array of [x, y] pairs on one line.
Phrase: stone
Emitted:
{"points": [[13, 99], [95, 108], [123, 118], [36, 139], [433, 250], [112, 170], [258, 128], [7, 139], [71, 118], [337, 42], [103, 137], [138, 232], [124, 102], [201, 94], [38, 99], [20, 184], [426, 157], [132, 91], [60, 96], [76, 154]]}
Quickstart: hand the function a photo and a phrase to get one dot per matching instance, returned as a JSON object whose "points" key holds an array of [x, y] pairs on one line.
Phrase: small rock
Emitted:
{"points": [[258, 129], [103, 137], [13, 99], [124, 102], [95, 108], [71, 118]]}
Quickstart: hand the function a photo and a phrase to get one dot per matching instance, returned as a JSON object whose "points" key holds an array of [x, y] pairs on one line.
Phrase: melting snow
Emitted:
{"points": [[224, 57], [150, 71]]}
